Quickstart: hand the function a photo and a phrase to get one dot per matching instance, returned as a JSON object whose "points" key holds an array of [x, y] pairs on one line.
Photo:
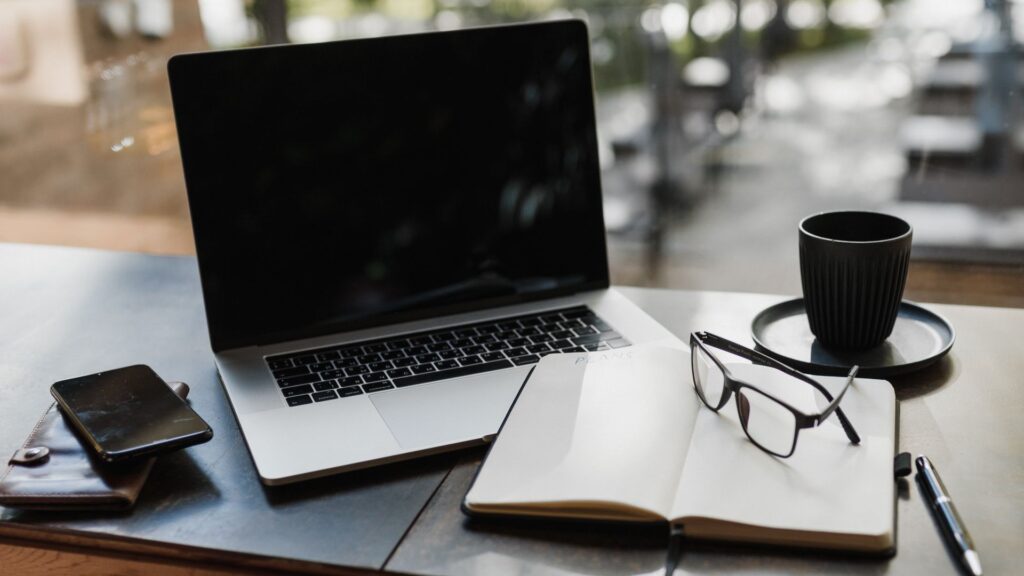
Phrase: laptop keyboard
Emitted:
{"points": [[349, 370]]}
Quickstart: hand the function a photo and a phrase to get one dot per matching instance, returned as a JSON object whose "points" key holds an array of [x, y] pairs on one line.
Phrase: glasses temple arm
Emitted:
{"points": [[834, 407]]}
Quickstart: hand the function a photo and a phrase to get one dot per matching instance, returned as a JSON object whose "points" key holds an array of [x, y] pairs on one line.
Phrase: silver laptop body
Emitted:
{"points": [[374, 191]]}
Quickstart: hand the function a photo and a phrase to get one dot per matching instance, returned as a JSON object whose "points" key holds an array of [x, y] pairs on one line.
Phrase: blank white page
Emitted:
{"points": [[592, 434], [828, 485]]}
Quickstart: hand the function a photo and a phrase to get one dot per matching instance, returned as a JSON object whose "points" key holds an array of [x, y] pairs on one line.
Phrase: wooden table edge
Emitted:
{"points": [[125, 547]]}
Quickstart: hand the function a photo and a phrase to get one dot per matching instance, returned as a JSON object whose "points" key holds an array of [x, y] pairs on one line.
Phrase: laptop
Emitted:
{"points": [[390, 232]]}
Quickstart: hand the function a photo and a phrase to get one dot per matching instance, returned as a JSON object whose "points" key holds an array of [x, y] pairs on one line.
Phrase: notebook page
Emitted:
{"points": [[827, 485], [608, 427]]}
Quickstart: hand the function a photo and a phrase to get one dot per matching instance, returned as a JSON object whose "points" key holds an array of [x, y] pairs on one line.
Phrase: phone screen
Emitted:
{"points": [[129, 412]]}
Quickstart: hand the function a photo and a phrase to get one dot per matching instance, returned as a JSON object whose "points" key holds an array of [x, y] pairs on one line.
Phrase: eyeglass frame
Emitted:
{"points": [[732, 385]]}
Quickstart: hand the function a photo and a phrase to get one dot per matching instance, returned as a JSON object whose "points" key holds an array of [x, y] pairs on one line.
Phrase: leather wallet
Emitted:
{"points": [[53, 470]]}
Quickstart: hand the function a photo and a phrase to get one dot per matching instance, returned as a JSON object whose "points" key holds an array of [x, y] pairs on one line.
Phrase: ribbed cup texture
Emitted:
{"points": [[853, 294]]}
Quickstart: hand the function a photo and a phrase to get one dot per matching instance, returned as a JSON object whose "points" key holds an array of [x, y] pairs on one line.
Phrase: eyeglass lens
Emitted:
{"points": [[768, 423], [708, 377]]}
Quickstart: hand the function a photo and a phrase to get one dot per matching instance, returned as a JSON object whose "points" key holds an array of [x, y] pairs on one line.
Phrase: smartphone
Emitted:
{"points": [[129, 412]]}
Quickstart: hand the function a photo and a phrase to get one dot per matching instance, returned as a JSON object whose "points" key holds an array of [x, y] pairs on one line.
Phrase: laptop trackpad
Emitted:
{"points": [[449, 411]]}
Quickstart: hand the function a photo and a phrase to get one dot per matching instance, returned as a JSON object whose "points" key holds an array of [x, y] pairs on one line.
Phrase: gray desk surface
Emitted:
{"points": [[65, 312]]}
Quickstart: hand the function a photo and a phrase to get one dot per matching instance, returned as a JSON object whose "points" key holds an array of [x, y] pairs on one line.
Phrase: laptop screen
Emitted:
{"points": [[349, 184]]}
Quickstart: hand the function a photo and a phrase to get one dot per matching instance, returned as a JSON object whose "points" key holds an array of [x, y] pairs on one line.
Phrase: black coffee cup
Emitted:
{"points": [[853, 266]]}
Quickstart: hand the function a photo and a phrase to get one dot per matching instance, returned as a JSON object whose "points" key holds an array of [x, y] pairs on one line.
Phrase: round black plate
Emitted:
{"points": [[919, 338]]}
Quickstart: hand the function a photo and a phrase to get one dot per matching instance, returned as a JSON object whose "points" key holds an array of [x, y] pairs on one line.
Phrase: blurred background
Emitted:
{"points": [[722, 123]]}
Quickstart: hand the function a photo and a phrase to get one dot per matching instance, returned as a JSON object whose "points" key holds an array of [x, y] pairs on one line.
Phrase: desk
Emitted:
{"points": [[69, 311]]}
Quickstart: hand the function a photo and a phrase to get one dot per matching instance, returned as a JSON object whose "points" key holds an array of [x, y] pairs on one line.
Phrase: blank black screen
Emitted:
{"points": [[363, 182], [129, 408]]}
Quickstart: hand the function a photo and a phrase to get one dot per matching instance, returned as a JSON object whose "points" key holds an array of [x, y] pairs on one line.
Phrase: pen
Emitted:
{"points": [[953, 527]]}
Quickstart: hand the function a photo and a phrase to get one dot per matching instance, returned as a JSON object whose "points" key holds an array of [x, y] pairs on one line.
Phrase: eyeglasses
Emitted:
{"points": [[771, 424]]}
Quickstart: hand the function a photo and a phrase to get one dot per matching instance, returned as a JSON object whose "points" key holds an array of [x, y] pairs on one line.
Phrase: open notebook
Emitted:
{"points": [[621, 435]]}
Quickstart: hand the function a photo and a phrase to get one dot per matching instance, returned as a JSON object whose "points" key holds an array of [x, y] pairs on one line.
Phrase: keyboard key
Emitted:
{"points": [[351, 352], [537, 348], [570, 324], [470, 360], [518, 342], [299, 400], [415, 350], [468, 350], [399, 372], [297, 390], [377, 387], [575, 313], [618, 343], [375, 348], [397, 344], [303, 360], [393, 355], [488, 329], [540, 338], [328, 356], [404, 362], [356, 370], [421, 340], [425, 358], [437, 347], [529, 322], [350, 391], [296, 380], [584, 330], [562, 334], [463, 371], [449, 354], [369, 358], [423, 369], [529, 332], [492, 356], [446, 364], [551, 318], [332, 374], [584, 340], [485, 339], [350, 381], [610, 335], [495, 346], [513, 352], [379, 366], [375, 377], [326, 395], [325, 385], [465, 334], [528, 359], [461, 343], [279, 364], [601, 325], [444, 336], [321, 366], [288, 372], [346, 363], [506, 335], [560, 344], [508, 326]]}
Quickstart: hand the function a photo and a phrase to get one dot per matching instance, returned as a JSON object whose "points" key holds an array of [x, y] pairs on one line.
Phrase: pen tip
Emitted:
{"points": [[973, 562]]}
